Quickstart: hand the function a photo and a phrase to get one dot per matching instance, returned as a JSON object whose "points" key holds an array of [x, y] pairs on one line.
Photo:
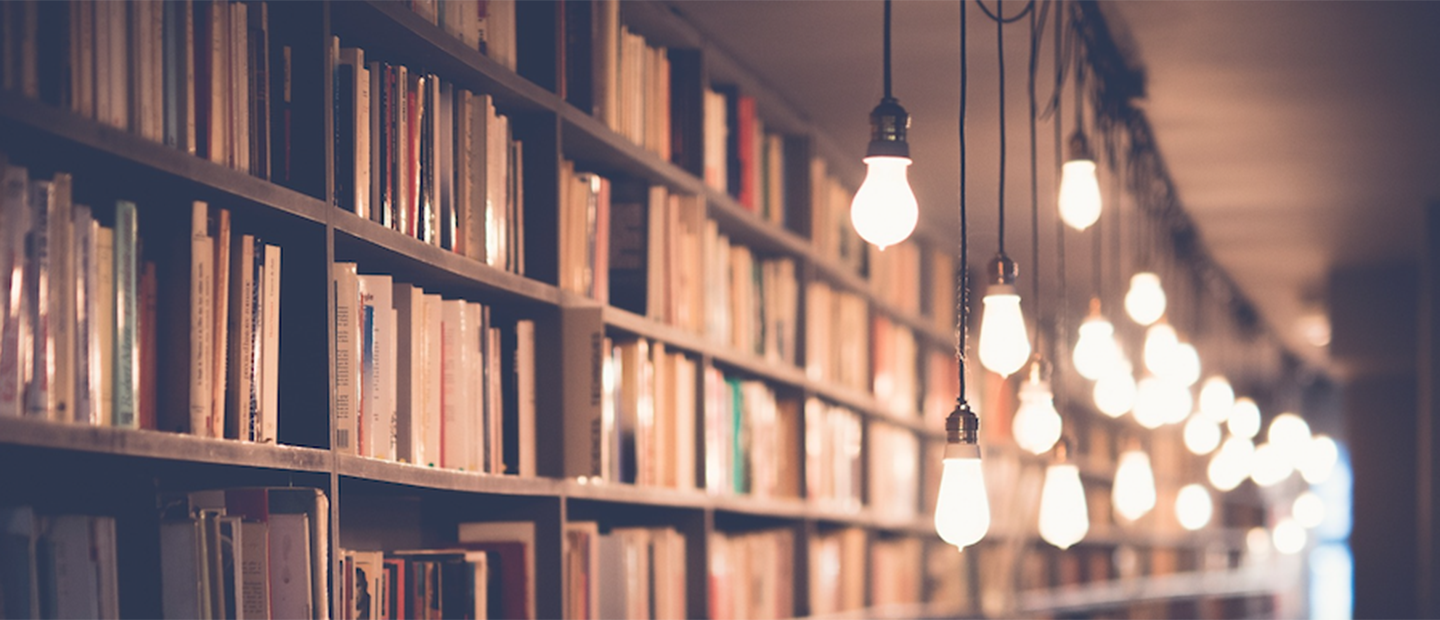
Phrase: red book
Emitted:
{"points": [[745, 126]]}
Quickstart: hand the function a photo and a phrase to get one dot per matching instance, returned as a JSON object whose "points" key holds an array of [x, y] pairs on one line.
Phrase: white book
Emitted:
{"points": [[62, 299], [182, 588], [39, 395], [239, 96], [525, 394], [454, 439], [15, 211], [240, 367], [347, 357], [104, 323], [87, 355], [409, 369], [290, 569], [379, 404], [72, 572], [270, 349], [432, 420], [476, 385], [202, 274], [254, 567]]}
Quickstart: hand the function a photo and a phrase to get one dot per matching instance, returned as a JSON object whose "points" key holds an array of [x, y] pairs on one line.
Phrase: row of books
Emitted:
{"points": [[752, 438], [832, 318], [600, 225], [894, 358], [753, 304], [626, 572], [741, 158], [833, 465], [423, 156], [896, 275], [57, 566], [255, 552], [752, 574], [614, 74], [431, 381], [831, 233], [485, 25], [838, 571], [204, 77], [89, 324], [895, 570], [650, 411], [894, 472]]}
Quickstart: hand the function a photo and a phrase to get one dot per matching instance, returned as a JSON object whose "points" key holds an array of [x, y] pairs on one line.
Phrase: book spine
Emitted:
{"points": [[85, 355], [270, 348], [201, 369], [15, 208], [242, 299], [347, 369], [221, 322], [146, 403], [253, 350], [126, 310], [39, 399], [434, 375]]}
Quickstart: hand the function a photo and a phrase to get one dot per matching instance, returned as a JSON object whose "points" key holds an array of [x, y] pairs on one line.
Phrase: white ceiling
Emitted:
{"points": [[1300, 135]]}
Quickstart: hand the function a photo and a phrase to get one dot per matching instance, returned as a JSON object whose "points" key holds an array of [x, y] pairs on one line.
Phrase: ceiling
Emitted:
{"points": [[1301, 136]]}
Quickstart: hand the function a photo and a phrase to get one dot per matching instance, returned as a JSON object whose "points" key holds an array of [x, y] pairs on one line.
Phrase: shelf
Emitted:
{"points": [[1121, 592], [405, 474], [594, 147], [411, 260], [134, 443], [94, 145], [901, 610]]}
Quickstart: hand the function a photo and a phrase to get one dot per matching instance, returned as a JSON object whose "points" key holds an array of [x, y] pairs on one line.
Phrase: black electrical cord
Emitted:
{"points": [[887, 50], [998, 15], [963, 295], [1034, 188], [1000, 55]]}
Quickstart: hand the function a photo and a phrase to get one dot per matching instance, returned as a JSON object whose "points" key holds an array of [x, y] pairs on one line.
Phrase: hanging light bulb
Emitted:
{"points": [[884, 211], [1115, 390], [1291, 436], [1185, 364], [1244, 418], [1202, 436], [1064, 518], [1095, 350], [1289, 536], [1037, 423], [1150, 402], [1308, 509], [1193, 507], [1079, 188], [1145, 301], [1319, 460], [1160, 343], [1217, 398], [1004, 343], [1134, 492], [1231, 463], [962, 510], [1269, 467]]}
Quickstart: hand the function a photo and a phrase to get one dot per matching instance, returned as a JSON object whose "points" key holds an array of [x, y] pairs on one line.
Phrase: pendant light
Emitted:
{"points": [[1079, 199], [1244, 418], [1145, 301], [1202, 435], [1290, 434], [1217, 398], [1004, 343], [1064, 517], [1193, 507], [1115, 390], [1036, 424], [1134, 492], [1096, 350], [884, 211], [1319, 460], [1231, 463], [1159, 350], [962, 510]]}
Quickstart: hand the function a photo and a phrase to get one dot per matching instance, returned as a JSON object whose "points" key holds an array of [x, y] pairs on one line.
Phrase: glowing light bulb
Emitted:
{"points": [[1231, 463], [1184, 364], [1193, 507], [884, 211], [1291, 436], [1202, 435], [1289, 536], [1134, 492], [1150, 402], [1037, 423], [1319, 460], [1145, 301], [1095, 350], [1269, 467], [1257, 544], [1004, 344], [1217, 398], [1064, 520], [1079, 194], [1308, 510], [1115, 390], [1244, 418], [962, 511], [1160, 343]]}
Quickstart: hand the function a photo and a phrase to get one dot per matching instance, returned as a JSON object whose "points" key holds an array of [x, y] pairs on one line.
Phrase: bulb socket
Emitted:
{"points": [[888, 125], [1079, 147], [1062, 450], [962, 425], [1003, 270]]}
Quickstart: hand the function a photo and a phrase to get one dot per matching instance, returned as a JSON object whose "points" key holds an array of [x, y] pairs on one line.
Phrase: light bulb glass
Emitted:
{"points": [[962, 510], [1150, 402], [1064, 519], [1308, 510], [1202, 435], [1289, 536], [1037, 423], [884, 211], [1095, 350], [1115, 391], [1193, 507], [1319, 460], [1257, 544], [1185, 364], [1145, 301], [1160, 343], [1291, 435], [1134, 492], [1079, 194], [1244, 418], [1217, 398], [1269, 467], [1004, 343], [1231, 463]]}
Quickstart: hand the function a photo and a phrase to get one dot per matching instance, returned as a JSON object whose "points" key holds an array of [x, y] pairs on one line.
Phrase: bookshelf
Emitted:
{"points": [[383, 505]]}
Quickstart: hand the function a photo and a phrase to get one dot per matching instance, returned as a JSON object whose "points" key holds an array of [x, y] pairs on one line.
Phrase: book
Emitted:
{"points": [[125, 384], [86, 352], [38, 395], [514, 544], [347, 357], [186, 312], [15, 331], [240, 367], [581, 336]]}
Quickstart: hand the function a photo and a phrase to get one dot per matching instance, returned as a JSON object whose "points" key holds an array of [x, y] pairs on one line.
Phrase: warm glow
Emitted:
{"points": [[1257, 543], [884, 211], [1319, 460], [1291, 435], [1244, 418], [1269, 467], [1308, 510], [1037, 423], [1289, 536], [1161, 401], [1231, 464], [1160, 343], [1193, 507], [1145, 301], [962, 510], [1202, 436], [1185, 364], [1115, 391], [1064, 519], [1004, 343], [1096, 350], [1079, 194], [1217, 398], [1134, 492]]}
